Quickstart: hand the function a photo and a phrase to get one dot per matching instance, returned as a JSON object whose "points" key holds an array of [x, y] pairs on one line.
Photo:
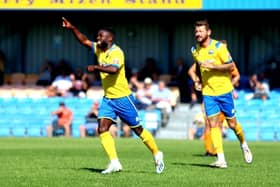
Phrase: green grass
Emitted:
{"points": [[78, 162]]}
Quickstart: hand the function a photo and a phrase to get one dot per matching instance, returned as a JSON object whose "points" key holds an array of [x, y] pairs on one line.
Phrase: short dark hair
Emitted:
{"points": [[108, 29], [202, 22]]}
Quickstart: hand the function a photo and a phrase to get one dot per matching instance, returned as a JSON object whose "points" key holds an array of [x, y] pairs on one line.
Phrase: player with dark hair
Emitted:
{"points": [[215, 64], [235, 77], [118, 99]]}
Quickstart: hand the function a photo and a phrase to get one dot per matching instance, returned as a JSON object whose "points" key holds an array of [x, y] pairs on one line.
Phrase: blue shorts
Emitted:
{"points": [[123, 107], [223, 103]]}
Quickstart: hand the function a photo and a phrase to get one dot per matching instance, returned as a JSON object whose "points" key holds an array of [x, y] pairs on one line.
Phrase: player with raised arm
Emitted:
{"points": [[118, 99]]}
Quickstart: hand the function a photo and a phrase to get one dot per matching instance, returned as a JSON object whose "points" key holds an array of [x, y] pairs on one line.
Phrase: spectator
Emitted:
{"points": [[91, 123], [197, 129], [80, 83], [161, 98], [63, 121], [60, 86], [134, 84], [260, 87], [62, 67], [46, 74], [149, 69], [180, 79], [144, 94], [126, 131]]}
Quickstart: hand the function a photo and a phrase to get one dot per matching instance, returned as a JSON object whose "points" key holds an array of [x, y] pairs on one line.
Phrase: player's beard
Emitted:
{"points": [[203, 39], [102, 45]]}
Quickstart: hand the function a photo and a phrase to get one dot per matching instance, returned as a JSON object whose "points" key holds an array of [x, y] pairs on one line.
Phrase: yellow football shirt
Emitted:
{"points": [[114, 85], [214, 83]]}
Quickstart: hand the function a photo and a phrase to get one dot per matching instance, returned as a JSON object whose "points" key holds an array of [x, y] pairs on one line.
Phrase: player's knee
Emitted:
{"points": [[103, 128], [231, 124], [138, 130]]}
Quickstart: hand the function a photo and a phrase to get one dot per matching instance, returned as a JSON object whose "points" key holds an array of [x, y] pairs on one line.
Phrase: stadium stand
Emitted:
{"points": [[151, 120], [18, 78], [31, 79], [25, 112]]}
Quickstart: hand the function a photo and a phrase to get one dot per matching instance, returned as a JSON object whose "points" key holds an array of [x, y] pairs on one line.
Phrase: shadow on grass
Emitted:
{"points": [[133, 171], [199, 155], [95, 170], [204, 155], [192, 164]]}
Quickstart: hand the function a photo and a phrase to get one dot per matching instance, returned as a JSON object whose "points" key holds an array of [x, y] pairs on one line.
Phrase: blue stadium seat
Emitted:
{"points": [[77, 122], [270, 114], [76, 131], [35, 127], [58, 132], [270, 104], [230, 135], [269, 126], [277, 131], [254, 103], [5, 131], [274, 95], [5, 128], [267, 133], [19, 131], [151, 119], [34, 131], [33, 115], [248, 121], [252, 113], [251, 133]]}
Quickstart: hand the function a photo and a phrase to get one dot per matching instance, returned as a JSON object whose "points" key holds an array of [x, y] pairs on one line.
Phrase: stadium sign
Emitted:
{"points": [[102, 4]]}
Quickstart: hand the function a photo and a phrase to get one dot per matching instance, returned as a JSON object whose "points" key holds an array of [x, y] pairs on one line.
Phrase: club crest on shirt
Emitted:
{"points": [[116, 61], [211, 51]]}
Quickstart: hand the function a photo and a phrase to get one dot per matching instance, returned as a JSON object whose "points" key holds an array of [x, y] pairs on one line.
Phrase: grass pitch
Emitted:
{"points": [[78, 162]]}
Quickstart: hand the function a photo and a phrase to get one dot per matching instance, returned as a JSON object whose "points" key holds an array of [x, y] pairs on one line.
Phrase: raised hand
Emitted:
{"points": [[66, 23]]}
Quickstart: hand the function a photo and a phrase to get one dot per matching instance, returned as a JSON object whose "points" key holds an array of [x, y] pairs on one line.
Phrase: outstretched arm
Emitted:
{"points": [[79, 36]]}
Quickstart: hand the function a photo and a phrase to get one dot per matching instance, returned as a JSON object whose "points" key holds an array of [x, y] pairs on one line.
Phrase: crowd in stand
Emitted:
{"points": [[151, 89]]}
